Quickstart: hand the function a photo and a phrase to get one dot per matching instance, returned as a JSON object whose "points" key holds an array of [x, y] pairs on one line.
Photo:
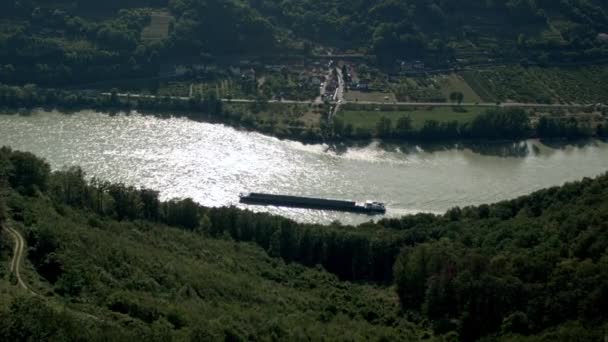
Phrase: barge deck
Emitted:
{"points": [[369, 207]]}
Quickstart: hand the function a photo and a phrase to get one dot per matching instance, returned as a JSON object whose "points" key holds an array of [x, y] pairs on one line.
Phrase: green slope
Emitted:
{"points": [[154, 281], [126, 266]]}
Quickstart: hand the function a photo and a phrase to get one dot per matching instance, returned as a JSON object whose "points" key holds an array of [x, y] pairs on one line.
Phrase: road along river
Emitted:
{"points": [[213, 163]]}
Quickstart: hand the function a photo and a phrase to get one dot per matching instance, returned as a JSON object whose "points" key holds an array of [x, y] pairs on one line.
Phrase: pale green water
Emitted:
{"points": [[213, 164]]}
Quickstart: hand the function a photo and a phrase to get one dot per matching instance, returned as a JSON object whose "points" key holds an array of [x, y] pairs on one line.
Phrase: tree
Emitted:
{"points": [[127, 202], [28, 173], [457, 96], [213, 104], [260, 104], [43, 253], [348, 130], [204, 225], [275, 244], [70, 187], [2, 208], [114, 100], [500, 124], [345, 73], [338, 125], [150, 204], [183, 213], [384, 127], [403, 126]]}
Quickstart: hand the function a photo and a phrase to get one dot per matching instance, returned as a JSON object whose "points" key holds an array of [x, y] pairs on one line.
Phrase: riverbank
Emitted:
{"points": [[214, 163], [310, 123]]}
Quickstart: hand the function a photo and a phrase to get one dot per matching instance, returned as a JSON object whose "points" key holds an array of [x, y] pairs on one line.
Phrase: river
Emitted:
{"points": [[213, 163]]}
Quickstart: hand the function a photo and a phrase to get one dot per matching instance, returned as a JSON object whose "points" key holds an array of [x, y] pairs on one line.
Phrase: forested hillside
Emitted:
{"points": [[63, 42], [417, 29], [123, 274], [534, 268]]}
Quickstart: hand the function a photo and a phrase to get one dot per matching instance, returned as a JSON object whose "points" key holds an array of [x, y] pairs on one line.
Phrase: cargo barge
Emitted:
{"points": [[369, 207]]}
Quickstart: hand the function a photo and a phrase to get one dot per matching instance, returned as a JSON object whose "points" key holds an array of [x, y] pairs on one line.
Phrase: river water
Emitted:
{"points": [[213, 163]]}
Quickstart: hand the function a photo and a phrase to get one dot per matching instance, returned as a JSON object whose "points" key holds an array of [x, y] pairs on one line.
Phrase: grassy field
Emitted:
{"points": [[159, 27], [354, 95], [455, 83], [368, 119]]}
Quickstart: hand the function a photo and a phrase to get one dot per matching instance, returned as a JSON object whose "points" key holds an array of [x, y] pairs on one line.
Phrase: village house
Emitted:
{"points": [[316, 81], [248, 74], [235, 70]]}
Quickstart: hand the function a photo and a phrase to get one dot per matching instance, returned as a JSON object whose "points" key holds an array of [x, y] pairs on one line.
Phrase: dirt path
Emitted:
{"points": [[18, 259]]}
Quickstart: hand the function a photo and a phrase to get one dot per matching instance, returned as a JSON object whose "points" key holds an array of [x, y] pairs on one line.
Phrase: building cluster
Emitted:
{"points": [[352, 79], [325, 76], [407, 65]]}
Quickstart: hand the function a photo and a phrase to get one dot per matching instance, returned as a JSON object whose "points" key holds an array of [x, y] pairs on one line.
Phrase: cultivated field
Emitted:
{"points": [[159, 27], [455, 83], [543, 85], [418, 89], [433, 89]]}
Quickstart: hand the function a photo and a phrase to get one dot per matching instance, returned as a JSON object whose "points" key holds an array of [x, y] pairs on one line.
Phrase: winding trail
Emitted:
{"points": [[17, 261], [18, 253]]}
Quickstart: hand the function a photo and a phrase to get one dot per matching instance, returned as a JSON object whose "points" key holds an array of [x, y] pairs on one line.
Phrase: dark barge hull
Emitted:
{"points": [[307, 203]]}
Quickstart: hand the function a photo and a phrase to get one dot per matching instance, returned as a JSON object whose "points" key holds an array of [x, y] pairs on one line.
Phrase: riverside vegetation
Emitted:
{"points": [[531, 269], [490, 124]]}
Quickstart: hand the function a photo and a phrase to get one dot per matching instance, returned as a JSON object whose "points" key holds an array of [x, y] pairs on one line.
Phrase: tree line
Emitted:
{"points": [[350, 254], [493, 124]]}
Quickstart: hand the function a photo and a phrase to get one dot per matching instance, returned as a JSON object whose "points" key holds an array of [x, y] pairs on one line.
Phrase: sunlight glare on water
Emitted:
{"points": [[213, 163]]}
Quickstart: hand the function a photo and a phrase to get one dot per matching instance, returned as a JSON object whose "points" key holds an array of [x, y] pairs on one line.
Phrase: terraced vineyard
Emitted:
{"points": [[419, 90], [542, 85], [433, 89]]}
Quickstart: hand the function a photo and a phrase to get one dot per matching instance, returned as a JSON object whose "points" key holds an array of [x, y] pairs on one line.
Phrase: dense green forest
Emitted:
{"points": [[406, 29], [532, 268], [66, 42]]}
